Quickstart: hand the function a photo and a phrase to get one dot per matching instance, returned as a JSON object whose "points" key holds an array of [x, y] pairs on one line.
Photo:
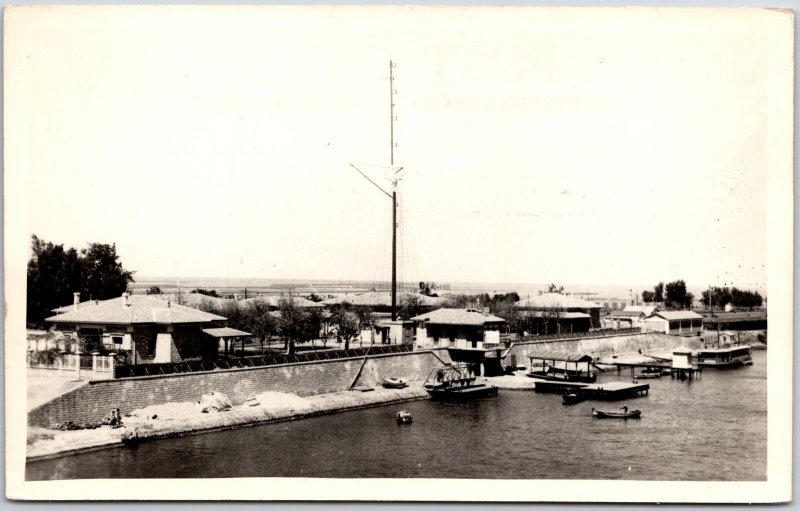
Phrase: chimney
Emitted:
{"points": [[76, 300], [126, 302]]}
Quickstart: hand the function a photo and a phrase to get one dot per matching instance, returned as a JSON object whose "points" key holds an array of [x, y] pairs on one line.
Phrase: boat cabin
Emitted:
{"points": [[561, 366]]}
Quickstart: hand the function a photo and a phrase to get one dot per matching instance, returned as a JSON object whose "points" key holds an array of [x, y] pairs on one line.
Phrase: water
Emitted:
{"points": [[711, 429]]}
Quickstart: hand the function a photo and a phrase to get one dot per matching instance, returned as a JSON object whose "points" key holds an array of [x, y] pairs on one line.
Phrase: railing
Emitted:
{"points": [[129, 371], [93, 367]]}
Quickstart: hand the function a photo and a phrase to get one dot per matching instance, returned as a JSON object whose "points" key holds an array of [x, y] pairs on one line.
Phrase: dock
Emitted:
{"points": [[682, 372], [607, 391]]}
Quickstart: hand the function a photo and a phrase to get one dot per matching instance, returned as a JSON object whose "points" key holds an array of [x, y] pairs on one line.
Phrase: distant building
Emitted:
{"points": [[468, 334], [624, 319], [142, 329], [648, 310], [559, 313], [675, 322]]}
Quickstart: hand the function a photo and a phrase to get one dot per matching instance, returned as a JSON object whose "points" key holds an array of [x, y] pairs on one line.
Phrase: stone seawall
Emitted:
{"points": [[93, 401], [598, 347]]}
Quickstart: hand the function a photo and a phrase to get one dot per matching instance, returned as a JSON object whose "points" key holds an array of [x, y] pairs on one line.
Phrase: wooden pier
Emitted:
{"points": [[608, 391], [680, 373]]}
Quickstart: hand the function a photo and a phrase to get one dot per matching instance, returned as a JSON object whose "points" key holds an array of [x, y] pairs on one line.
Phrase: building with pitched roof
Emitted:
{"points": [[624, 319], [140, 329], [675, 322], [469, 335], [559, 313]]}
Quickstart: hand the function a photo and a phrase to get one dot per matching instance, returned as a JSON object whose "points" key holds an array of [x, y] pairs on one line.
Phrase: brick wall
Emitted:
{"points": [[91, 402]]}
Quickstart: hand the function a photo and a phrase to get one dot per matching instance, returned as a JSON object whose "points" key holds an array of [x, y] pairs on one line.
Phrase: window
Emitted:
{"points": [[151, 346], [116, 339]]}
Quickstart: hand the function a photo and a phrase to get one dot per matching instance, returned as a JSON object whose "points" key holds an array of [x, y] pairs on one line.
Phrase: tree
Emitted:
{"points": [[154, 290], [206, 292], [552, 288], [658, 292], [259, 322], [104, 276], [676, 295], [345, 324], [410, 306], [648, 296], [55, 273]]}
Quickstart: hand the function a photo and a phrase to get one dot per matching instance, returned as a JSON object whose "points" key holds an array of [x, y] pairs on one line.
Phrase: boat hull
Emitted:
{"points": [[464, 393], [633, 414], [548, 376]]}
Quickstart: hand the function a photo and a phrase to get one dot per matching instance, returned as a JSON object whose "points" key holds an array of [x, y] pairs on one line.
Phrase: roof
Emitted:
{"points": [[561, 315], [626, 314], [648, 310], [382, 299], [560, 356], [226, 332], [458, 317], [555, 301], [275, 301], [141, 309], [194, 300], [71, 307], [676, 315]]}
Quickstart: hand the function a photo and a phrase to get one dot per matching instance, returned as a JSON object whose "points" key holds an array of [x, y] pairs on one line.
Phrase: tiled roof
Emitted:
{"points": [[458, 317], [382, 299], [274, 301], [141, 309], [558, 315], [677, 315], [555, 301]]}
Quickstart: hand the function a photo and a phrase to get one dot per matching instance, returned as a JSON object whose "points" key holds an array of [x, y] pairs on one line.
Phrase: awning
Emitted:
{"points": [[561, 357], [226, 332]]}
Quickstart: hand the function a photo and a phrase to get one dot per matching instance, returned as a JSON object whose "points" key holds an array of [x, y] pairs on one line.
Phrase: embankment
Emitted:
{"points": [[178, 418], [93, 401]]}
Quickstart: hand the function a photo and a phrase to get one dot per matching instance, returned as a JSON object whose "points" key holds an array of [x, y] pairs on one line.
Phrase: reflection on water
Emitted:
{"points": [[714, 428]]}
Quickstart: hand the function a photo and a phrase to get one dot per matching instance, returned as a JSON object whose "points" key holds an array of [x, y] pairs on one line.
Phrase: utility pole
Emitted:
{"points": [[394, 191], [394, 180]]}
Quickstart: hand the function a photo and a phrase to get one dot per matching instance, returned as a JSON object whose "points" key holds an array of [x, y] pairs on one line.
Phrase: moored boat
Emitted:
{"points": [[727, 356], [623, 413], [456, 382], [572, 398], [394, 383], [404, 417]]}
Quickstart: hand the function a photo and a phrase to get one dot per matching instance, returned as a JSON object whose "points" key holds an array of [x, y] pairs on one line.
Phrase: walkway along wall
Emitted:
{"points": [[597, 347], [91, 402]]}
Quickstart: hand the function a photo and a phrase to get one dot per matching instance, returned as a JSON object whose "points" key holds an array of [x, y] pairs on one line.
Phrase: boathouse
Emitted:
{"points": [[469, 335], [141, 329], [675, 322]]}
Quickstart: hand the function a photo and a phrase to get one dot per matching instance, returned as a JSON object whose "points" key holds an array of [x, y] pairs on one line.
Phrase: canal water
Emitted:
{"points": [[711, 429]]}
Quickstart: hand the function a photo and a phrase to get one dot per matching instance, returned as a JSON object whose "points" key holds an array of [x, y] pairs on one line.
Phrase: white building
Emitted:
{"points": [[675, 322]]}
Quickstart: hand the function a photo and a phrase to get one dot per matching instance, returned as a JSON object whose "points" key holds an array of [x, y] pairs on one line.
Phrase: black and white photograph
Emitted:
{"points": [[497, 254]]}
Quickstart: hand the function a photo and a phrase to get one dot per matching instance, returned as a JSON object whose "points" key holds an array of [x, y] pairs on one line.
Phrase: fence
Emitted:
{"points": [[93, 367], [130, 371], [603, 332]]}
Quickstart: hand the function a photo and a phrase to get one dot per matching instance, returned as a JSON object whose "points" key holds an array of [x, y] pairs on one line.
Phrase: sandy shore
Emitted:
{"points": [[176, 419]]}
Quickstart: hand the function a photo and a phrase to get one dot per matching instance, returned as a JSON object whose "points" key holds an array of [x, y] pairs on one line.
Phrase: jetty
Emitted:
{"points": [[608, 391]]}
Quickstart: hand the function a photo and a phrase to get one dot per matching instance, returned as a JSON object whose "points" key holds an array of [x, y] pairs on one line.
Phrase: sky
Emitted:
{"points": [[546, 146]]}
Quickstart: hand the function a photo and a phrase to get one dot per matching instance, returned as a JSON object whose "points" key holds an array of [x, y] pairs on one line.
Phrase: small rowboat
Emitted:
{"points": [[404, 417], [624, 413], [394, 383], [647, 376]]}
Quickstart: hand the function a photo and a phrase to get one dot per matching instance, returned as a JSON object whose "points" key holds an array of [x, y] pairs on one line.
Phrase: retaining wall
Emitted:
{"points": [[93, 401], [597, 347]]}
